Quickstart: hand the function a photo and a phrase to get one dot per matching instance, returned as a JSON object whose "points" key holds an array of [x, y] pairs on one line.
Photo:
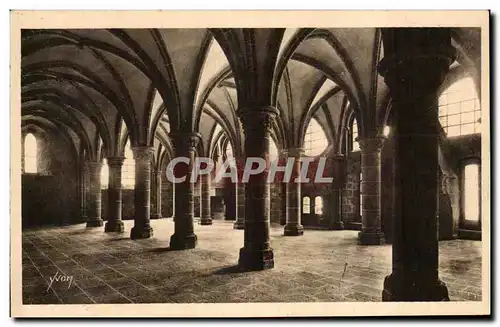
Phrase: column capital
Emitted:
{"points": [[185, 140], [295, 152], [115, 161], [258, 118], [92, 165], [371, 144], [143, 153], [415, 61]]}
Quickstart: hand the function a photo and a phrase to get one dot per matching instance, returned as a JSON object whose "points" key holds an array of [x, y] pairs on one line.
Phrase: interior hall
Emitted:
{"points": [[396, 112]]}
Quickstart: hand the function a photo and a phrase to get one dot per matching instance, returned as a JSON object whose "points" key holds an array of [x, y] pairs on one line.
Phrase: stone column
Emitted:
{"points": [[84, 191], [371, 227], [240, 206], [156, 214], [415, 64], [174, 195], [142, 196], [256, 253], [206, 215], [94, 196], [152, 195], [115, 223], [337, 188], [293, 197], [184, 236]]}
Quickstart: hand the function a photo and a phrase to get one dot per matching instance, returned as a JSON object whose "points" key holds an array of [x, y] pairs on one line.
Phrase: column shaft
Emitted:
{"points": [[115, 223], [414, 78], [184, 236], [142, 196], [157, 186], [84, 191], [293, 226], [158, 194], [206, 216], [371, 228], [94, 195], [240, 206], [337, 188], [256, 253]]}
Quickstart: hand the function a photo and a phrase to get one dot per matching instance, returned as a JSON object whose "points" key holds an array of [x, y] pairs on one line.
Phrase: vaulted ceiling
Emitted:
{"points": [[103, 86]]}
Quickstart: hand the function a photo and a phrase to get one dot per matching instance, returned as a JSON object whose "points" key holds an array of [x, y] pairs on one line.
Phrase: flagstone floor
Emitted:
{"points": [[89, 266]]}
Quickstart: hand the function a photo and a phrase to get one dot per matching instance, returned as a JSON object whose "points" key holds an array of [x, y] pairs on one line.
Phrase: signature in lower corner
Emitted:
{"points": [[60, 278]]}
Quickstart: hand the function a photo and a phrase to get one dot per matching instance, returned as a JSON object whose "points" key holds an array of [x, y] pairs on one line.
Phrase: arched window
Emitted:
{"points": [[306, 205], [471, 192], [229, 154], [387, 130], [459, 109], [104, 174], [273, 150], [217, 131], [315, 141], [128, 170], [318, 205], [30, 154], [354, 135], [229, 150]]}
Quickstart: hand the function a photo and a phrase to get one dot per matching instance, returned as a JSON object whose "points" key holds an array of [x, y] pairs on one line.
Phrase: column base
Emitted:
{"points": [[294, 230], [137, 233], [83, 219], [218, 216], [183, 241], [239, 224], [114, 227], [95, 223], [256, 259], [397, 289], [155, 216], [371, 238], [338, 225], [205, 221]]}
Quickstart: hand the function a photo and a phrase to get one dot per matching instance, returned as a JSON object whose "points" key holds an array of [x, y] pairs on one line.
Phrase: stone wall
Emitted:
{"points": [[51, 196]]}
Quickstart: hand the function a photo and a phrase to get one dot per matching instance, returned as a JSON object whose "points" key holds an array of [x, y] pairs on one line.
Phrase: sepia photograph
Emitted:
{"points": [[250, 164]]}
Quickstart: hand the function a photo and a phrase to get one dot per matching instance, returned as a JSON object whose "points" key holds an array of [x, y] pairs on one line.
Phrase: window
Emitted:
{"points": [[459, 109], [318, 205], [30, 154], [104, 174], [387, 131], [315, 141], [217, 131], [306, 205], [471, 192], [229, 150], [354, 135], [273, 150], [229, 154], [128, 170]]}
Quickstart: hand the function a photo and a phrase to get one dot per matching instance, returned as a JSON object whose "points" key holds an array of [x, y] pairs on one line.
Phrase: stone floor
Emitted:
{"points": [[324, 266]]}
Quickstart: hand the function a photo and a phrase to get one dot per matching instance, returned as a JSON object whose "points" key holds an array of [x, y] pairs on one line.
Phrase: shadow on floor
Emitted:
{"points": [[119, 239], [80, 231], [234, 269], [160, 250]]}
